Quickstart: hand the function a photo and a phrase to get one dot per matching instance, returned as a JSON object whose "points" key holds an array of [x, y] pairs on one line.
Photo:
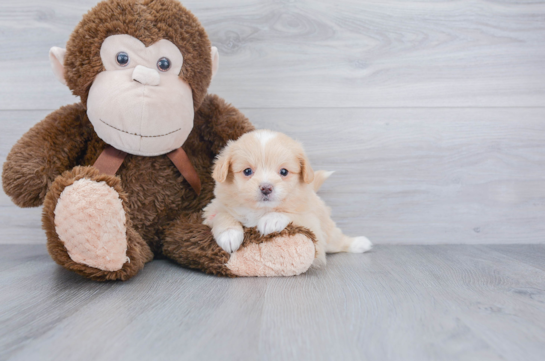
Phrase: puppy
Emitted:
{"points": [[264, 179]]}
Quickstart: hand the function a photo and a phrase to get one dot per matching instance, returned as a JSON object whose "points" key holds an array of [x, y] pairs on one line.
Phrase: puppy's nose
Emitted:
{"points": [[266, 188]]}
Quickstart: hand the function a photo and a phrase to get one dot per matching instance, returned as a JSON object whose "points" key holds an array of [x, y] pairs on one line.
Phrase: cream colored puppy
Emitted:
{"points": [[264, 179]]}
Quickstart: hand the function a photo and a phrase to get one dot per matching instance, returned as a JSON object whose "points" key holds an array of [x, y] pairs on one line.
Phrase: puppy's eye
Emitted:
{"points": [[122, 58], [163, 64], [248, 172], [283, 172]]}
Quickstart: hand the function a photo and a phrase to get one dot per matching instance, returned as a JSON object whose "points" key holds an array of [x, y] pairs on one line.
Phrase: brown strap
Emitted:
{"points": [[182, 162], [110, 160]]}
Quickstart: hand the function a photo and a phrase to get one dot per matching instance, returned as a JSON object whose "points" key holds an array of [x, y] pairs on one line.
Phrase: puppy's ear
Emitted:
{"points": [[306, 170], [222, 165]]}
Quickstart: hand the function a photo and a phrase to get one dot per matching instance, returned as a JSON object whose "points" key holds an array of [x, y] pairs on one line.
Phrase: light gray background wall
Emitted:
{"points": [[431, 112]]}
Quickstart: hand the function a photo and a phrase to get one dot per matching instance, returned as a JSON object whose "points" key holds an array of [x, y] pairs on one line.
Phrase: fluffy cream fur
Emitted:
{"points": [[270, 200], [90, 221]]}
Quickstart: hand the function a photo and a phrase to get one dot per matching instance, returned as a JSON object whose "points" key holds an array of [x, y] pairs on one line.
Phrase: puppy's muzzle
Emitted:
{"points": [[266, 188]]}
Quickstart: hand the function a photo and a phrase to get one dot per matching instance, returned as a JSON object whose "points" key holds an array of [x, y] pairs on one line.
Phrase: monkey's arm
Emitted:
{"points": [[51, 147], [218, 122]]}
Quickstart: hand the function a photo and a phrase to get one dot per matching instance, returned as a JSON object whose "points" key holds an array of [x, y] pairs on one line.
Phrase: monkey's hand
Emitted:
{"points": [[48, 149]]}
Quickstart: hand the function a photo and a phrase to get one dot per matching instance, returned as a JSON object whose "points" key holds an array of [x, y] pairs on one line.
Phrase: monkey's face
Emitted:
{"points": [[140, 89], [139, 104]]}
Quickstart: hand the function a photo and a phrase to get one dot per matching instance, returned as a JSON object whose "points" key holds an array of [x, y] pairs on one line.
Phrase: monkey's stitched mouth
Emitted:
{"points": [[140, 135]]}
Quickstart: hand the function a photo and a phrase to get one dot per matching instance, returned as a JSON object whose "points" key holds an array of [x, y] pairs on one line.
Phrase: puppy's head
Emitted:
{"points": [[261, 169]]}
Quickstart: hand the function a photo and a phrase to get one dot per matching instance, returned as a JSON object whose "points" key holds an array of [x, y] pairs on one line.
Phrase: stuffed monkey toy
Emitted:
{"points": [[124, 174]]}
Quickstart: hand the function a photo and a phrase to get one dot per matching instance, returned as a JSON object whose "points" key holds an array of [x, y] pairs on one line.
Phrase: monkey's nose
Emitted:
{"points": [[146, 76], [266, 188]]}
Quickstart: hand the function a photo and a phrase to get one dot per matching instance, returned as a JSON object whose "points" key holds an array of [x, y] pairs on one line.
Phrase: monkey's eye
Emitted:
{"points": [[283, 172], [248, 172], [122, 58], [163, 64]]}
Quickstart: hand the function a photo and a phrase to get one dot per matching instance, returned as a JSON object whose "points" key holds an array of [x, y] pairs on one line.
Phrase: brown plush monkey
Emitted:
{"points": [[124, 175]]}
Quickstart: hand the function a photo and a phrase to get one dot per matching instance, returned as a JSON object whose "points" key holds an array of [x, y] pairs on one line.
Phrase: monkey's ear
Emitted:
{"points": [[56, 57], [215, 60]]}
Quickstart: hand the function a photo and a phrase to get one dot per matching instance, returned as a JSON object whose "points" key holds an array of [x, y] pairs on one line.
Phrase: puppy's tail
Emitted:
{"points": [[319, 178]]}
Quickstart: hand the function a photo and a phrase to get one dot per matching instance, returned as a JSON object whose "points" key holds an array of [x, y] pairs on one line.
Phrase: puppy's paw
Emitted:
{"points": [[230, 240], [360, 245], [273, 222]]}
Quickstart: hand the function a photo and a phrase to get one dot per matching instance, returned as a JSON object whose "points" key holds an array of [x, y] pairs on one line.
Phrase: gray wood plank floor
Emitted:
{"points": [[443, 302]]}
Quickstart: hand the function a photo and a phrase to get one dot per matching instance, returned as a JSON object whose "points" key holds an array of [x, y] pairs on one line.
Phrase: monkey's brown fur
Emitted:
{"points": [[162, 210], [149, 21]]}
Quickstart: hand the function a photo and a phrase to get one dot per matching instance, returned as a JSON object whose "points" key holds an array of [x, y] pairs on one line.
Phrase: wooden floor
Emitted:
{"points": [[442, 302]]}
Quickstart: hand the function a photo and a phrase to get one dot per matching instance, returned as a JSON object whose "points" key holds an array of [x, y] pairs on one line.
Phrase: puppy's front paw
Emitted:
{"points": [[230, 240], [273, 222], [360, 245]]}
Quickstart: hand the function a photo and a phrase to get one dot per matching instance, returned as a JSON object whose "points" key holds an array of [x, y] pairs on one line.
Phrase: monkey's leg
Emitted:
{"points": [[287, 253], [88, 228]]}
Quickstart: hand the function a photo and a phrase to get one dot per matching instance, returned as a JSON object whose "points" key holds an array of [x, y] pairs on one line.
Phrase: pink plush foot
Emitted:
{"points": [[90, 221], [283, 256]]}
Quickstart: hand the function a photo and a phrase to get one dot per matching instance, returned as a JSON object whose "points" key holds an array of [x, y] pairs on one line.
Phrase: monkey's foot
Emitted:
{"points": [[88, 228], [90, 221], [289, 252], [284, 255]]}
